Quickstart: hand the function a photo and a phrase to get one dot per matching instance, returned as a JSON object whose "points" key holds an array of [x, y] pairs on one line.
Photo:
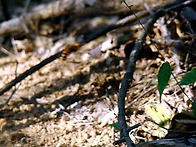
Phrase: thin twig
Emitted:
{"points": [[118, 24], [141, 95], [180, 86], [98, 33], [29, 72], [15, 88], [170, 130]]}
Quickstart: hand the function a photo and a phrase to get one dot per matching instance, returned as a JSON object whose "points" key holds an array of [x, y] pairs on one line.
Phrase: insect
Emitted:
{"points": [[69, 49]]}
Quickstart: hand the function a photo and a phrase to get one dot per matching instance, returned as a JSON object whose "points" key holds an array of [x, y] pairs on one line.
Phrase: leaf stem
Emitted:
{"points": [[180, 86]]}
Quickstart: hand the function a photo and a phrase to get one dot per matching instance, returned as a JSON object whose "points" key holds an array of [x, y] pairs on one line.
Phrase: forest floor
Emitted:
{"points": [[74, 102]]}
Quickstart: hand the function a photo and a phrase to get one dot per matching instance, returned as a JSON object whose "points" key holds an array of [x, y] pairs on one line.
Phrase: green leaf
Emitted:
{"points": [[163, 77], [194, 107], [189, 77], [116, 126], [122, 1]]}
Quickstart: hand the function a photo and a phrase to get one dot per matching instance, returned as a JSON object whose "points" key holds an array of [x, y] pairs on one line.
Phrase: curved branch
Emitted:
{"points": [[128, 77]]}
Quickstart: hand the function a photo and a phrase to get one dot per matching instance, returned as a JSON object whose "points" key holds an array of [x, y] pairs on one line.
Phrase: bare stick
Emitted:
{"points": [[29, 72], [15, 88], [52, 58], [128, 77]]}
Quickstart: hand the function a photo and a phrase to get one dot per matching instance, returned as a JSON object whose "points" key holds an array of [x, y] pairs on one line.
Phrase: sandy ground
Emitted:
{"points": [[73, 102]]}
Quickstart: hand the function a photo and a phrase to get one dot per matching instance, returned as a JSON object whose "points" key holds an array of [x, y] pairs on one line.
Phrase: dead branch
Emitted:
{"points": [[128, 77], [19, 24], [94, 35], [120, 23], [58, 8], [66, 7], [29, 72]]}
